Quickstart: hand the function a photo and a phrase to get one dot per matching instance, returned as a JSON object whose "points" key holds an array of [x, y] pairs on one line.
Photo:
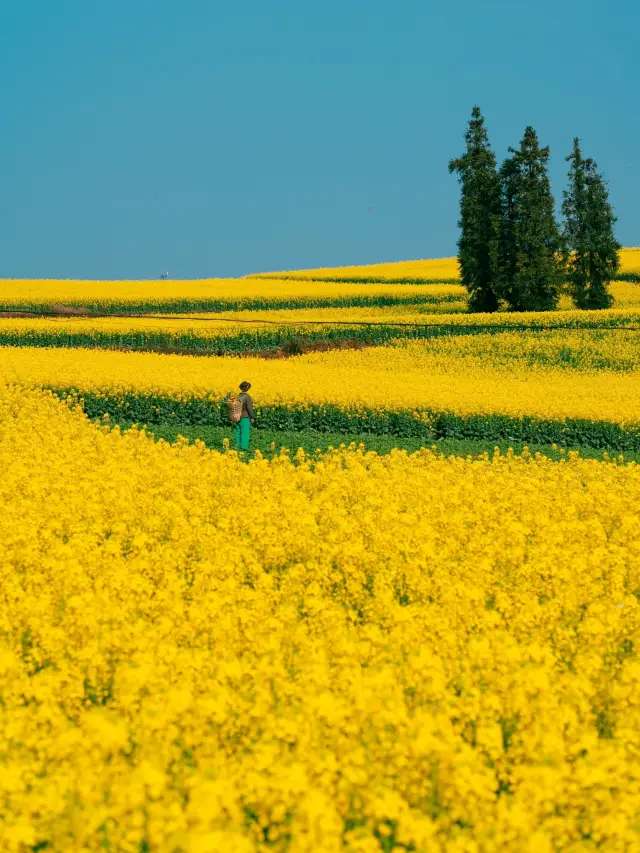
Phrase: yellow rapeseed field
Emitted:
{"points": [[243, 332], [626, 305], [203, 323], [200, 295], [626, 294], [583, 350], [431, 268], [313, 288], [416, 377], [630, 260], [628, 313], [202, 653], [349, 653]]}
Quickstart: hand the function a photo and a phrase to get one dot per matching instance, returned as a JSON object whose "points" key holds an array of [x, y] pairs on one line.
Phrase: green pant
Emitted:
{"points": [[243, 433]]}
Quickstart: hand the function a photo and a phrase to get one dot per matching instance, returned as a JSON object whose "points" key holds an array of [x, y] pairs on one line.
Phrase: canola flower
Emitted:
{"points": [[374, 653], [387, 284], [254, 331], [433, 269], [423, 313], [583, 350], [264, 286], [630, 260], [428, 389], [626, 294], [627, 314], [229, 331], [439, 299], [200, 295], [443, 299]]}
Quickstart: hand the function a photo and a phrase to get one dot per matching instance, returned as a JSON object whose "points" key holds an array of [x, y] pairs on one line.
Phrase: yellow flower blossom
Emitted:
{"points": [[330, 653]]}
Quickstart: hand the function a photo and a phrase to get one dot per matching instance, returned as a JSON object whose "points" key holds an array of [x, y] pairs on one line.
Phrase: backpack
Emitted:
{"points": [[235, 406]]}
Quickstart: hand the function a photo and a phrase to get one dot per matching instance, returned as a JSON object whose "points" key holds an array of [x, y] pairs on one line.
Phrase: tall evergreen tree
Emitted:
{"points": [[591, 247], [507, 253], [479, 216], [530, 266]]}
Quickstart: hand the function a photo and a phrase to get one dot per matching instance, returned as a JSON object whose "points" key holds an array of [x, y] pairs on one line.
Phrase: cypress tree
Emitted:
{"points": [[507, 254], [530, 266], [591, 247], [479, 216]]}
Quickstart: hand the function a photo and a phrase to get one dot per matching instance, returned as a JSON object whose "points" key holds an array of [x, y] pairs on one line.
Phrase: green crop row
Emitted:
{"points": [[429, 426], [358, 279], [627, 276], [227, 303], [270, 442], [248, 339]]}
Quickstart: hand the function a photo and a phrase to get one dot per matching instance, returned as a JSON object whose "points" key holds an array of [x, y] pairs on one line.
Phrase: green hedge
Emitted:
{"points": [[156, 409]]}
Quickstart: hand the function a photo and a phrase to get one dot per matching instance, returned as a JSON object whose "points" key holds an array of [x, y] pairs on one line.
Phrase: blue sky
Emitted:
{"points": [[209, 138]]}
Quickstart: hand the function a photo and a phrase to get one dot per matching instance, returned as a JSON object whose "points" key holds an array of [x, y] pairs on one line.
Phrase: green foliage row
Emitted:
{"points": [[633, 277], [292, 339], [257, 303], [360, 279], [433, 425], [269, 442]]}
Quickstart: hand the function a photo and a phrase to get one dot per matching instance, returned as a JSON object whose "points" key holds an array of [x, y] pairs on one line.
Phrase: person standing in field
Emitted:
{"points": [[243, 426]]}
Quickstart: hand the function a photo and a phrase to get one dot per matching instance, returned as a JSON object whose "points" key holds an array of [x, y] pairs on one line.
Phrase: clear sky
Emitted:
{"points": [[208, 138]]}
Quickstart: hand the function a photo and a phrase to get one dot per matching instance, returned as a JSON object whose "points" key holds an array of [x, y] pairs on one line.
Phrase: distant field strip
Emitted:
{"points": [[425, 283], [629, 265], [422, 271], [428, 271], [423, 389], [626, 294], [355, 279], [251, 332], [137, 297]]}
